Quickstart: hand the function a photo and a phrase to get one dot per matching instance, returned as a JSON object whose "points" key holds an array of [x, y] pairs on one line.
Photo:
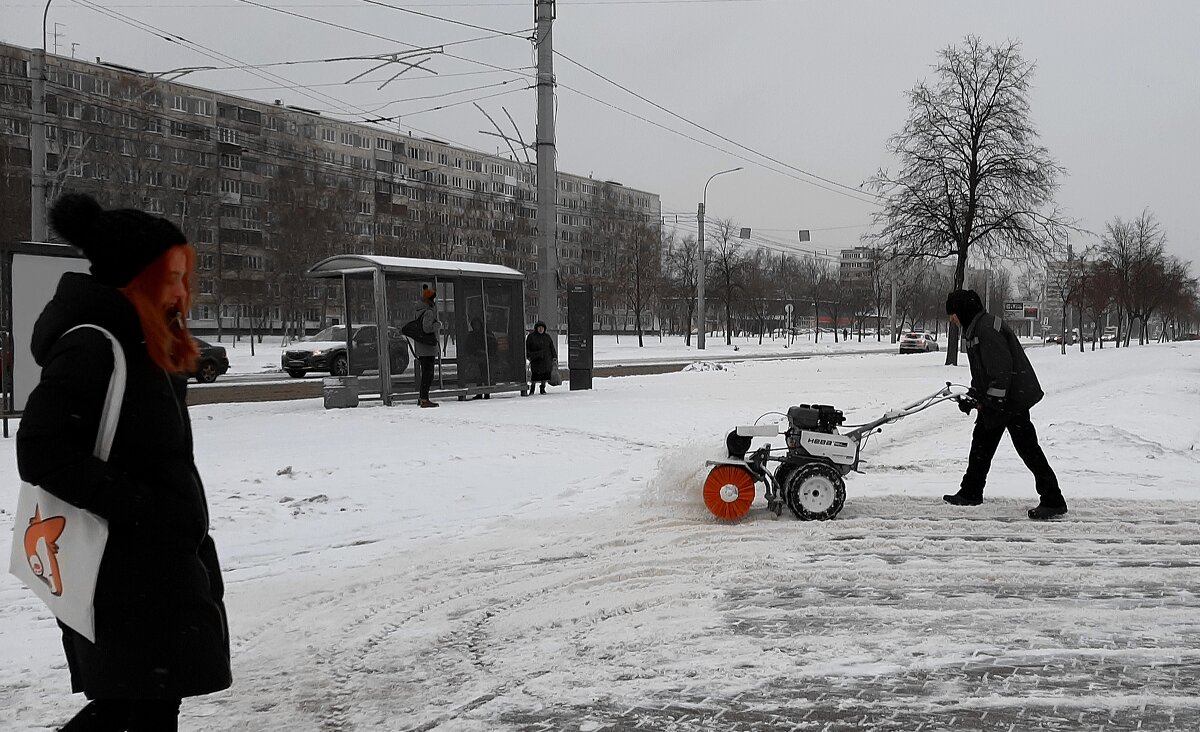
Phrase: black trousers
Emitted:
{"points": [[126, 715], [989, 428], [426, 365]]}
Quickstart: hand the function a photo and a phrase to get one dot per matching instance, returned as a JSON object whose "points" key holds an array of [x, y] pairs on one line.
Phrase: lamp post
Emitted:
{"points": [[700, 320], [37, 139]]}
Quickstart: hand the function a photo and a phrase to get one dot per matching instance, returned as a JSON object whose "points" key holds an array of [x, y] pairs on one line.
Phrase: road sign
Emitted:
{"points": [[1014, 306]]}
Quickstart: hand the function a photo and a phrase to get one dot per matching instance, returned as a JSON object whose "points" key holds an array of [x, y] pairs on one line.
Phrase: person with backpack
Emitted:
{"points": [[161, 632], [542, 355], [425, 342], [1003, 389]]}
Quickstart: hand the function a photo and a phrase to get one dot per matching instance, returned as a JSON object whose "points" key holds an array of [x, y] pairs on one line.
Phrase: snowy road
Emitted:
{"points": [[546, 563], [877, 621]]}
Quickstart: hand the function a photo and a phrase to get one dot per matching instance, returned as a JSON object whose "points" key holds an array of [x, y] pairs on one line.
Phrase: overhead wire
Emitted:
{"points": [[856, 192]]}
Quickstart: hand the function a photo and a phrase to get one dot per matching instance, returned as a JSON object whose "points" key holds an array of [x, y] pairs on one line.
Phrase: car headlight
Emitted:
{"points": [[320, 352]]}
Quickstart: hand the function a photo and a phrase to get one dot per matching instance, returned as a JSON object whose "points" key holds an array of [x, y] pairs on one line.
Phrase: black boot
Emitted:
{"points": [[543, 388], [1046, 511], [963, 498]]}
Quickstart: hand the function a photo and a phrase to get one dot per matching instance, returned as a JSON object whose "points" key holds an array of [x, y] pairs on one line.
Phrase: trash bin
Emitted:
{"points": [[340, 391]]}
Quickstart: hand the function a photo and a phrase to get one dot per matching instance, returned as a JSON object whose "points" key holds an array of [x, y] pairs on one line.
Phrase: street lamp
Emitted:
{"points": [[37, 139], [700, 321]]}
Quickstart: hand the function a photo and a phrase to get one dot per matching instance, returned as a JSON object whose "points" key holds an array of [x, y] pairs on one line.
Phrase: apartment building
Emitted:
{"points": [[265, 190]]}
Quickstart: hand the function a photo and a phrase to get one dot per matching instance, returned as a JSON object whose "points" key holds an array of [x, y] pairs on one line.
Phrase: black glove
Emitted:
{"points": [[965, 404]]}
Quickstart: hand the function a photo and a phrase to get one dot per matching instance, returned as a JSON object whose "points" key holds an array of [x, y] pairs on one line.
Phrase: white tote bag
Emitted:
{"points": [[57, 546]]}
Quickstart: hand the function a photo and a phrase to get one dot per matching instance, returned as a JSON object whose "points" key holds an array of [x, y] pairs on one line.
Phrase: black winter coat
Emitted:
{"points": [[999, 366], [161, 629], [539, 349]]}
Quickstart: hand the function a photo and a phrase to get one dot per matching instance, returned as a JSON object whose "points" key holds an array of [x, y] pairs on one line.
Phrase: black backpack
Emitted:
{"points": [[414, 330]]}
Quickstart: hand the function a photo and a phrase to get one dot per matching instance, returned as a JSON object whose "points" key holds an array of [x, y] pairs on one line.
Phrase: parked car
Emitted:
{"points": [[213, 362], [326, 352], [1189, 337], [918, 342], [1109, 334]]}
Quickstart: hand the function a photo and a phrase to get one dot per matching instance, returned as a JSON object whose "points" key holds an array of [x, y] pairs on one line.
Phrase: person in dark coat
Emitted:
{"points": [[542, 354], [426, 353], [1003, 388], [161, 628]]}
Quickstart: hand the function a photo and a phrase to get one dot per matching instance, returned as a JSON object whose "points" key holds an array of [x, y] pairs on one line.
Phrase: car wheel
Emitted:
{"points": [[339, 366], [207, 373], [296, 373]]}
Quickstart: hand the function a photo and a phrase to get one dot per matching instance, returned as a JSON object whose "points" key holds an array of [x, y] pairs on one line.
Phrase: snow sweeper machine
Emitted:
{"points": [[807, 472]]}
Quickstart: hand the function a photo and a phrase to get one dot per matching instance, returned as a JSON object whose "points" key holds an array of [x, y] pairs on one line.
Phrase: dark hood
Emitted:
{"points": [[81, 299]]}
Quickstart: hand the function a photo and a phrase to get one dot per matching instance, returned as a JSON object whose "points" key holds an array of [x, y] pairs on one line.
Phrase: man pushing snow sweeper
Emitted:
{"points": [[1003, 388], [807, 473]]}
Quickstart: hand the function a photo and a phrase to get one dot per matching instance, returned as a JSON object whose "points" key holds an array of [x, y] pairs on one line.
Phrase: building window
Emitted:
{"points": [[224, 134], [232, 162], [231, 186], [154, 124], [153, 152], [179, 104], [178, 182]]}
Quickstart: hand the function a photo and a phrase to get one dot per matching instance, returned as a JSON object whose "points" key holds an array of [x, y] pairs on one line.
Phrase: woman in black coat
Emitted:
{"points": [[161, 629], [542, 354]]}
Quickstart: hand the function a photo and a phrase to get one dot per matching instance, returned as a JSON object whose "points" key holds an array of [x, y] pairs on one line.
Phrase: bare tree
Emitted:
{"points": [[1132, 249], [681, 278], [1065, 280], [726, 265], [972, 174], [1097, 292]]}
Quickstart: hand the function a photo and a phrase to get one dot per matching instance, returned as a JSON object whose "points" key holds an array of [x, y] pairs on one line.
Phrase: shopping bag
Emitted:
{"points": [[57, 546], [555, 375]]}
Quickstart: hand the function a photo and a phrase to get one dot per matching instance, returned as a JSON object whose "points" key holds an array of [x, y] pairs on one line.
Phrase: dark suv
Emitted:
{"points": [[213, 362], [326, 351]]}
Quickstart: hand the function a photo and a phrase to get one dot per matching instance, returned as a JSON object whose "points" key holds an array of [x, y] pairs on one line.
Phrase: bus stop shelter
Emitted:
{"points": [[481, 347]]}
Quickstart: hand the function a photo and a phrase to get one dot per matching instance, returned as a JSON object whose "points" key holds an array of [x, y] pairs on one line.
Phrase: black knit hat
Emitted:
{"points": [[965, 304], [119, 243]]}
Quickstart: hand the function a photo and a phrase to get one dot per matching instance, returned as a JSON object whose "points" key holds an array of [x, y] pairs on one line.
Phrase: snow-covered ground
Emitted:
{"points": [[546, 562], [607, 349]]}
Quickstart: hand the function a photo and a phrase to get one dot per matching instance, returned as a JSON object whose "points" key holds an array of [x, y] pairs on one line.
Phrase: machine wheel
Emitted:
{"points": [[815, 492], [729, 491]]}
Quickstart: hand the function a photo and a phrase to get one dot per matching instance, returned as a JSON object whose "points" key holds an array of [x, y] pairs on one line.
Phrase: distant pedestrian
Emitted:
{"points": [[427, 316], [542, 353], [160, 625], [1004, 388]]}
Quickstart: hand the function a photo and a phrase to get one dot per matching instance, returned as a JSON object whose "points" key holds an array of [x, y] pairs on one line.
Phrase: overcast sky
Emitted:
{"points": [[817, 86]]}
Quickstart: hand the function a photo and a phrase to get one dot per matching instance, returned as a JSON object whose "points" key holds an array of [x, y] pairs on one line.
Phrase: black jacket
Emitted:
{"points": [[161, 629], [540, 350], [999, 366]]}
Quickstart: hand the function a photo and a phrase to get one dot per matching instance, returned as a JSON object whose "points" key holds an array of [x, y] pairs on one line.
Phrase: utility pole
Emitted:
{"points": [[547, 177], [700, 321], [37, 139]]}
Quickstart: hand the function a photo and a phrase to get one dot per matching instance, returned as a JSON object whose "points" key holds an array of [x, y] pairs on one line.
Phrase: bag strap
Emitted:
{"points": [[113, 398]]}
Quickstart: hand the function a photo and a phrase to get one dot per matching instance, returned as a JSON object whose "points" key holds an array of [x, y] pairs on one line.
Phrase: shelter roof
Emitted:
{"points": [[362, 263]]}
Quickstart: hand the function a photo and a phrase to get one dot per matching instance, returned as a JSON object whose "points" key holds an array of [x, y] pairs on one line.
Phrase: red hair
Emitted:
{"points": [[167, 340]]}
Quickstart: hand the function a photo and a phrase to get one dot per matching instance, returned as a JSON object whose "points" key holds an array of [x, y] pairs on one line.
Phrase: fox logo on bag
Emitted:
{"points": [[41, 548]]}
